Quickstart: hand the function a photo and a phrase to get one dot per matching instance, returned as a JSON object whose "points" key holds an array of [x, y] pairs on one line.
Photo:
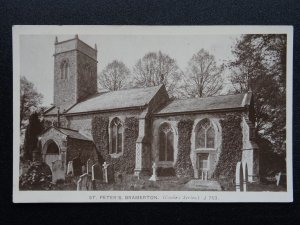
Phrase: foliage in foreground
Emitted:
{"points": [[38, 177]]}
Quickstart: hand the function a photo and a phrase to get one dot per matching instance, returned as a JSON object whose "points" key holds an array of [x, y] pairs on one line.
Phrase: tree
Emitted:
{"points": [[260, 66], [156, 68], [203, 76], [30, 99], [115, 76], [34, 128]]}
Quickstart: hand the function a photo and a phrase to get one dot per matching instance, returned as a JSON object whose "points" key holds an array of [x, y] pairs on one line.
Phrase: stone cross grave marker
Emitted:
{"points": [[154, 172], [76, 166], [108, 173], [97, 173], [85, 183], [83, 169], [89, 165], [105, 174], [58, 171], [70, 168]]}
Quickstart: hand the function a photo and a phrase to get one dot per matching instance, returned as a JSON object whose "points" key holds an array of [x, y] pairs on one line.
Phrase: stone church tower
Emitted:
{"points": [[75, 72]]}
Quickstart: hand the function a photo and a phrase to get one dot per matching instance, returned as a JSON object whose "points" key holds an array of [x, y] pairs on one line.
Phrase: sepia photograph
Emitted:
{"points": [[152, 113]]}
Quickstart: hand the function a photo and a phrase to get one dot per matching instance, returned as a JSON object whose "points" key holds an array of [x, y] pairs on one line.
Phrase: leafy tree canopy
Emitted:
{"points": [[260, 66]]}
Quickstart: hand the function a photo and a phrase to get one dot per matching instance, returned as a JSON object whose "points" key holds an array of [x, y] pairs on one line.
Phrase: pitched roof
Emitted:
{"points": [[222, 102], [51, 111], [73, 134], [69, 133], [136, 97]]}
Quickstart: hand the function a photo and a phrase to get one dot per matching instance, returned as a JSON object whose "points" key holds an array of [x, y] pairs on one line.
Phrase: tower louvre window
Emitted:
{"points": [[64, 70]]}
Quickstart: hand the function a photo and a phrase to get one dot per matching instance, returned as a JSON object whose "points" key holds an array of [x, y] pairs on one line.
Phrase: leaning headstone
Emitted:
{"points": [[154, 173], [89, 165], [280, 179], [70, 168], [76, 166], [58, 171], [97, 173], [85, 183]]}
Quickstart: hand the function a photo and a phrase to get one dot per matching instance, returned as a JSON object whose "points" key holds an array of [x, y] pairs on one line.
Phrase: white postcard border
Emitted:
{"points": [[148, 196]]}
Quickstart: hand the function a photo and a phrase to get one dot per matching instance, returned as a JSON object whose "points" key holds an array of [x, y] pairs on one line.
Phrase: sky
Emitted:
{"points": [[37, 61]]}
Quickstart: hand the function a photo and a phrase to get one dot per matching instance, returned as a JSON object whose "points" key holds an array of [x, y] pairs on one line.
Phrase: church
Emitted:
{"points": [[200, 138]]}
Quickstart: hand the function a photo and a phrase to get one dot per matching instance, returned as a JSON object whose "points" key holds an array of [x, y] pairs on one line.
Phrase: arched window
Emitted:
{"points": [[166, 143], [116, 135], [52, 148], [205, 134], [64, 69]]}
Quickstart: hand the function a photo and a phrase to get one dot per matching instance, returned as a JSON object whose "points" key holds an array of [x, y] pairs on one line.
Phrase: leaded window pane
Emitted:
{"points": [[200, 138], [205, 123], [170, 147], [114, 139], [162, 145], [210, 135], [120, 132], [166, 143]]}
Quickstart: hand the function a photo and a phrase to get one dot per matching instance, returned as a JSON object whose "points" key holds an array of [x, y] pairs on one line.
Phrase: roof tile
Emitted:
{"points": [[204, 104]]}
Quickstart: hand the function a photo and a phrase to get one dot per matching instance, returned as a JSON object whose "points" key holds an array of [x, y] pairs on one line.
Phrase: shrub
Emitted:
{"points": [[38, 177]]}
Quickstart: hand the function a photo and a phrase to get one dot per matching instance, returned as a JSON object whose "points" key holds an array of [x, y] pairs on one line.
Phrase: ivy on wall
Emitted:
{"points": [[183, 166], [232, 144], [126, 162], [100, 135]]}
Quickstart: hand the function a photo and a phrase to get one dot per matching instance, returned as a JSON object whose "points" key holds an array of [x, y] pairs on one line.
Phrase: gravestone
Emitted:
{"points": [[245, 177], [154, 173], [76, 162], [89, 165], [85, 183], [97, 173], [70, 168], [239, 178], [24, 167], [58, 171], [83, 169], [108, 173], [280, 179]]}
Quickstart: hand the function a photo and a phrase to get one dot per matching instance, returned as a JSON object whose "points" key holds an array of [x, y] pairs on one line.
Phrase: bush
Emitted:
{"points": [[38, 177], [273, 162]]}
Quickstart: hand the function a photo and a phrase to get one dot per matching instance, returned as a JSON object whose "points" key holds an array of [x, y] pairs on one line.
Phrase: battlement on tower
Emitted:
{"points": [[75, 44]]}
